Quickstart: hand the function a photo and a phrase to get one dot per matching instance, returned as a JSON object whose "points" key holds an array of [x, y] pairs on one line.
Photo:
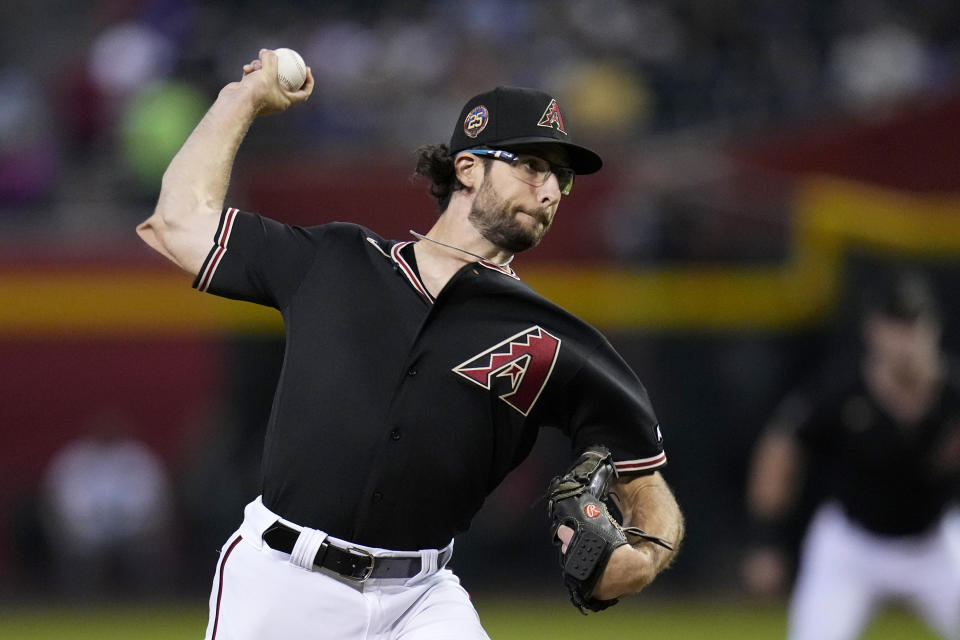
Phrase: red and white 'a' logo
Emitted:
{"points": [[526, 360], [551, 117]]}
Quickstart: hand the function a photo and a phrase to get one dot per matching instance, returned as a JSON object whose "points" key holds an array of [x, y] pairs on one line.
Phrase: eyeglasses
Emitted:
{"points": [[530, 169]]}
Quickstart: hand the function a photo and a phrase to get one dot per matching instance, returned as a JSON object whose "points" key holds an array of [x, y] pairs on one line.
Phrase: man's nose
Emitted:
{"points": [[549, 192]]}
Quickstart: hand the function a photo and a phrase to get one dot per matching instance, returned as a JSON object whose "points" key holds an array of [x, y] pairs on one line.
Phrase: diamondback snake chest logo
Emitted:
{"points": [[525, 360]]}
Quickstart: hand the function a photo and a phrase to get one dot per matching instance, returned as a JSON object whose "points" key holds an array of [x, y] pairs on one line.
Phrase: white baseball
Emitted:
{"points": [[291, 69]]}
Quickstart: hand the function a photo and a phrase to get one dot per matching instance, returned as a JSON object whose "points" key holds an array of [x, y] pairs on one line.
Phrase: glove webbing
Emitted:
{"points": [[576, 480], [566, 489]]}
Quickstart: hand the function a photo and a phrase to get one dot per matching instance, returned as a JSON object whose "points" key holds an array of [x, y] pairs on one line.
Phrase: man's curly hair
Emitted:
{"points": [[435, 163]]}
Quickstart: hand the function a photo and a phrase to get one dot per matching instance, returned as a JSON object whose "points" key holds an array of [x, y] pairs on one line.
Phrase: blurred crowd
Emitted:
{"points": [[94, 103]]}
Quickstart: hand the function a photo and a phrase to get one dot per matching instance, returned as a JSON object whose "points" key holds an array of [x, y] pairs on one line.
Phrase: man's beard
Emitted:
{"points": [[495, 221]]}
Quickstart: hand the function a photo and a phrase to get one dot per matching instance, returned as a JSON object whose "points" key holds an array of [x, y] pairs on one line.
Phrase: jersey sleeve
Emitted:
{"points": [[794, 415], [810, 422], [609, 405], [257, 259]]}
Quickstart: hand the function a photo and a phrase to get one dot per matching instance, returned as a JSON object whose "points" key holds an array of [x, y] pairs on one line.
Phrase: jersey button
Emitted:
{"points": [[412, 372], [395, 434], [377, 496]]}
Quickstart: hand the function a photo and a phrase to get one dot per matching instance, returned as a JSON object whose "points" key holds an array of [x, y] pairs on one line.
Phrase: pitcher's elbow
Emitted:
{"points": [[149, 232]]}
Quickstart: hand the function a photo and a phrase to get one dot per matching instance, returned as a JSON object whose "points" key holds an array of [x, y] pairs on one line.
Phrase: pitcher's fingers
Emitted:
{"points": [[252, 66], [268, 60], [565, 534], [307, 87]]}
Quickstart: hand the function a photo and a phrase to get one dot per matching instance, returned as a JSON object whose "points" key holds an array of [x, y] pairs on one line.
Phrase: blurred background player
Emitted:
{"points": [[883, 446]]}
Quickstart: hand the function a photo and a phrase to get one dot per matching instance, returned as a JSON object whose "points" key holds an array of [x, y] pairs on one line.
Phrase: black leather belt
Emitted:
{"points": [[353, 563]]}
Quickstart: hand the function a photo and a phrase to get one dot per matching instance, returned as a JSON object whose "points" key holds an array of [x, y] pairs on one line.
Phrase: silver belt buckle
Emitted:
{"points": [[369, 570]]}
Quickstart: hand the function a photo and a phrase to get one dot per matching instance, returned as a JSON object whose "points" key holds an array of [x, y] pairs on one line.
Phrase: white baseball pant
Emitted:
{"points": [[259, 592], [846, 574]]}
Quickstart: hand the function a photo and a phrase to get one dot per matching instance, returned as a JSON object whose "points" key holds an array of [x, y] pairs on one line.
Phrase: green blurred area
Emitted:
{"points": [[157, 122], [514, 619]]}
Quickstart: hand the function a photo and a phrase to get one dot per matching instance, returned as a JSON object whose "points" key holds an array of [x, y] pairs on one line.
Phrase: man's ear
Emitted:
{"points": [[469, 170]]}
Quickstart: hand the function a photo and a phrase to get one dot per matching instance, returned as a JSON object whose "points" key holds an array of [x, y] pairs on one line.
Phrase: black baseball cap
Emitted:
{"points": [[524, 121], [904, 295]]}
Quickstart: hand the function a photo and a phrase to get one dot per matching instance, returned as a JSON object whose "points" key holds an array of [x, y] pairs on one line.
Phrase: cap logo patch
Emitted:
{"points": [[476, 121], [591, 511], [551, 117]]}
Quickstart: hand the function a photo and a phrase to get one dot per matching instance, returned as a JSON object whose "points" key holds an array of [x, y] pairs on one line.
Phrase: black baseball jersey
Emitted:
{"points": [[396, 414], [890, 478]]}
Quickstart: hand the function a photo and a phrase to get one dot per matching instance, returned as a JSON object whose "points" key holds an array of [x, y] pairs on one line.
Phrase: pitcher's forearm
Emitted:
{"points": [[195, 183], [197, 178], [648, 503]]}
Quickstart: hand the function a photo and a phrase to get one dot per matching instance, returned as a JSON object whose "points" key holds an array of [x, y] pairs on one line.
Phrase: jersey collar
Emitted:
{"points": [[410, 273], [505, 269]]}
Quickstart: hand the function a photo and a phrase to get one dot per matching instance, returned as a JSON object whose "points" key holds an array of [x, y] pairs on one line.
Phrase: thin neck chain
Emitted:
{"points": [[420, 236]]}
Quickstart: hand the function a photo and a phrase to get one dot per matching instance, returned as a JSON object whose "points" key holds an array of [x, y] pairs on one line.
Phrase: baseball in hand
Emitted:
{"points": [[291, 69]]}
